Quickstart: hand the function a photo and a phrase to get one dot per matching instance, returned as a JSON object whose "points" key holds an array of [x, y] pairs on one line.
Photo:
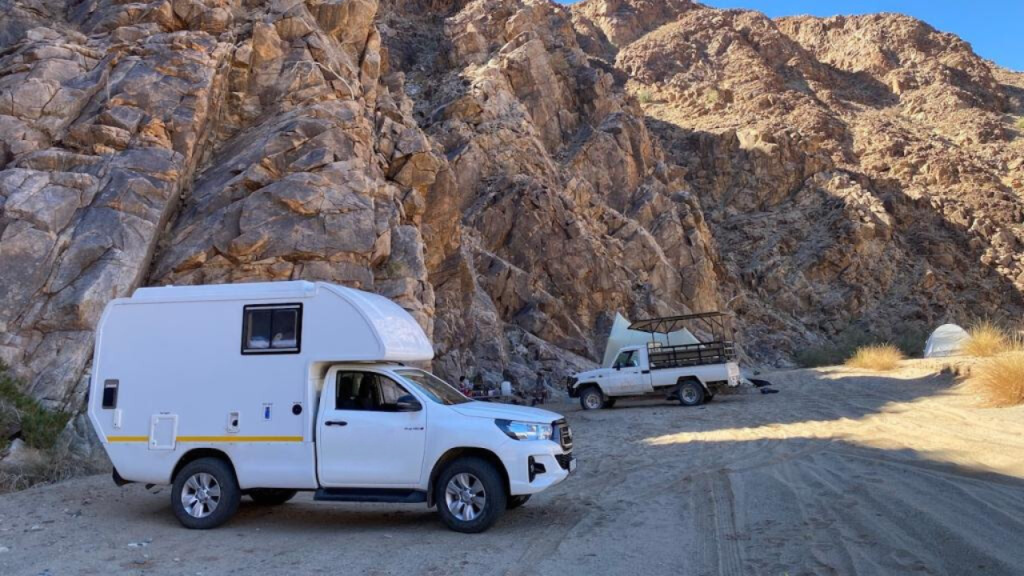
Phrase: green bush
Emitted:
{"points": [[645, 97], [1020, 124], [40, 428]]}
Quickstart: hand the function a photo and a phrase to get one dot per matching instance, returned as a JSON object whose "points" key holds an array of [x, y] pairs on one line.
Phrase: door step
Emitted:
{"points": [[399, 495]]}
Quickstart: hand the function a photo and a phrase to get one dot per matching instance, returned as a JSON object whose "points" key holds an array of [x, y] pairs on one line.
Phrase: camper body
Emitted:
{"points": [[271, 388], [690, 372]]}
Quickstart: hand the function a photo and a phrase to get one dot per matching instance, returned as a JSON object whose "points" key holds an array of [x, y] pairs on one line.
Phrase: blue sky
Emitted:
{"points": [[995, 28]]}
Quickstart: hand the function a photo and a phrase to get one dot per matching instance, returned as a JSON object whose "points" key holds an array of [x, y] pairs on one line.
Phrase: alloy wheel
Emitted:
{"points": [[200, 495], [465, 497]]}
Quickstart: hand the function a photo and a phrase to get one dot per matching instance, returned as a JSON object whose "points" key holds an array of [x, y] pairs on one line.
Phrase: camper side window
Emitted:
{"points": [[268, 329]]}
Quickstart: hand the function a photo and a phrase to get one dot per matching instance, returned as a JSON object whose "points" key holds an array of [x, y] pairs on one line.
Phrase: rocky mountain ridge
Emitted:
{"points": [[513, 172], [859, 174]]}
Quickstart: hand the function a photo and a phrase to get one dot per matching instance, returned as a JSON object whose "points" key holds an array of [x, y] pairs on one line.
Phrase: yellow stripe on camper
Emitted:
{"points": [[122, 439], [239, 438]]}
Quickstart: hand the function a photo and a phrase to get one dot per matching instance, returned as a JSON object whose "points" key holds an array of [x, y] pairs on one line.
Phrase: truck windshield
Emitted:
{"points": [[438, 390]]}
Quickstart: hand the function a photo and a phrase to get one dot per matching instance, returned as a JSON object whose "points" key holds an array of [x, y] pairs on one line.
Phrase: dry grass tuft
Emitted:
{"points": [[46, 467], [987, 340], [1002, 378], [879, 357]]}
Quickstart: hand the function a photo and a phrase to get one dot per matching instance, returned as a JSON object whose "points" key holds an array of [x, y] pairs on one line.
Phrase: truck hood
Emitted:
{"points": [[506, 412], [591, 374]]}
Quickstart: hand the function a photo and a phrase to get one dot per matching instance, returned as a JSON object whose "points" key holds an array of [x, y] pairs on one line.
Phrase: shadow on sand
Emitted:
{"points": [[852, 396]]}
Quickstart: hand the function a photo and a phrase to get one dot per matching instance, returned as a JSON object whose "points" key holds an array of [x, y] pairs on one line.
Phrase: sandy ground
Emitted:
{"points": [[841, 473]]}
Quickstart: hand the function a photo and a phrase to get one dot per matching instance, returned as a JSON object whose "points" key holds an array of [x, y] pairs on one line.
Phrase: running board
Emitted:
{"points": [[401, 496]]}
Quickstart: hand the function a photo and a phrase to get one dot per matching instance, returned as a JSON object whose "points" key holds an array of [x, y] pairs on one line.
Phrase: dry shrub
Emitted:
{"points": [[46, 467], [880, 357], [1002, 378], [986, 340]]}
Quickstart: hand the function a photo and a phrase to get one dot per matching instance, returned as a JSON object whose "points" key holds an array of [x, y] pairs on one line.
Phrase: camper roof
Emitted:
{"points": [[391, 333], [244, 291]]}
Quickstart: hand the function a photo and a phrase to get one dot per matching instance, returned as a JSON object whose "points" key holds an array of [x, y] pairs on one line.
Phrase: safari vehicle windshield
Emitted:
{"points": [[438, 390]]}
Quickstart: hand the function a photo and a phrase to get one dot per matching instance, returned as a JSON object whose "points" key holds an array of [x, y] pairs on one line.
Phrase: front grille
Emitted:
{"points": [[563, 434], [563, 460]]}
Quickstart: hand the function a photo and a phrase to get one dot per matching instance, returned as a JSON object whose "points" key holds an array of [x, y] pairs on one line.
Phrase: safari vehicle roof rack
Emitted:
{"points": [[717, 323]]}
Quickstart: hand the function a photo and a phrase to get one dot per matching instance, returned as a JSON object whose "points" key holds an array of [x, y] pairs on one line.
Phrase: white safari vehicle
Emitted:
{"points": [[690, 372], [268, 389]]}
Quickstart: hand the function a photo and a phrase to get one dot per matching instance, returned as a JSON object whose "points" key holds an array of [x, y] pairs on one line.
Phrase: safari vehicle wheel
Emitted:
{"points": [[592, 399], [205, 494], [271, 496], [470, 495], [691, 393], [516, 501]]}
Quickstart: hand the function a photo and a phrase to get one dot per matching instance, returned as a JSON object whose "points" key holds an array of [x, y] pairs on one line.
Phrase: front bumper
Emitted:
{"points": [[570, 384], [536, 466]]}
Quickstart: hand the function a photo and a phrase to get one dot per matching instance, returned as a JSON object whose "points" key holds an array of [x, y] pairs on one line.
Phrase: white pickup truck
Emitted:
{"points": [[691, 372], [267, 389]]}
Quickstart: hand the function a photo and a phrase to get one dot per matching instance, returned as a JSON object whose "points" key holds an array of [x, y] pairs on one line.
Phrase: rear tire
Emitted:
{"points": [[691, 393], [205, 494], [470, 495], [516, 501], [592, 398], [271, 496]]}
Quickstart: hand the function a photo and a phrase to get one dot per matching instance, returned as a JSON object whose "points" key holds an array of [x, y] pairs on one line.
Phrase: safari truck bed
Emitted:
{"points": [[690, 372]]}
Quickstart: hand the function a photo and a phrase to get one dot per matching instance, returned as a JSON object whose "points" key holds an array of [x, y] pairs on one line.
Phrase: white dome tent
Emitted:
{"points": [[946, 340]]}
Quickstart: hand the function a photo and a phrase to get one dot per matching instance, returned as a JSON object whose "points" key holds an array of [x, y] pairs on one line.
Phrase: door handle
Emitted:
{"points": [[336, 423]]}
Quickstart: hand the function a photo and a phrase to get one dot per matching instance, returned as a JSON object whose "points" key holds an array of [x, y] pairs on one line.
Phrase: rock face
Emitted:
{"points": [[513, 172], [858, 174], [555, 207]]}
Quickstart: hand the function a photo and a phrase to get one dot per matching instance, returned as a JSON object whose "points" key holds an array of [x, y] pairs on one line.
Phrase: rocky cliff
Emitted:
{"points": [[858, 174], [513, 172]]}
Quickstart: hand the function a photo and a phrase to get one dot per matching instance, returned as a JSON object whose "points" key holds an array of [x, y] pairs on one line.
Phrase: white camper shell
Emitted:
{"points": [[265, 389]]}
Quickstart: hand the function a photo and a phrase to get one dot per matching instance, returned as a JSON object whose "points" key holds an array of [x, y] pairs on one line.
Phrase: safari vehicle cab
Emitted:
{"points": [[692, 370], [268, 389]]}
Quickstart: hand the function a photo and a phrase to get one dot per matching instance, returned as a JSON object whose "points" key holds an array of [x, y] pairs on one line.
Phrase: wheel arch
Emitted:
{"points": [[198, 453], [462, 452], [693, 378]]}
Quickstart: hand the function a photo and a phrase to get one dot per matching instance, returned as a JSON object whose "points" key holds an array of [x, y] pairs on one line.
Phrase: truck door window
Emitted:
{"points": [[626, 359], [367, 391], [271, 328]]}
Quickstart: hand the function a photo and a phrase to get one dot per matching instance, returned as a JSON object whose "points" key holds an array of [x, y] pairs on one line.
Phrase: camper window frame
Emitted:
{"points": [[297, 349]]}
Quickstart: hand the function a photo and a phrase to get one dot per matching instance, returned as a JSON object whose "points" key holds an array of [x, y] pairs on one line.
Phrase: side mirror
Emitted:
{"points": [[617, 366], [408, 403]]}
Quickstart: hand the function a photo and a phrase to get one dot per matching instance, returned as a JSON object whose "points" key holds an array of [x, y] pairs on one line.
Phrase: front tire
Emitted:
{"points": [[205, 494], [470, 495], [592, 398], [271, 496]]}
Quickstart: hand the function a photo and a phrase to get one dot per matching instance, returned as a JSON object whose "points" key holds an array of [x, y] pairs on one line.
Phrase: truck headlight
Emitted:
{"points": [[525, 430]]}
